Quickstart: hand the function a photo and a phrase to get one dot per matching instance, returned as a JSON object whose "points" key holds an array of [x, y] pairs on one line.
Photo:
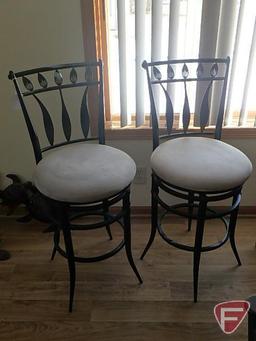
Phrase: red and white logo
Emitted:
{"points": [[230, 315]]}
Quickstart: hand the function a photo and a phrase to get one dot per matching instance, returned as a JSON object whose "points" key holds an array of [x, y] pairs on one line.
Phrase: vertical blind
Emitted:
{"points": [[169, 29], [140, 28]]}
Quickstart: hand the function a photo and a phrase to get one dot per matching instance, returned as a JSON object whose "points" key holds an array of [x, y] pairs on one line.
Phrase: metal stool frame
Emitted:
{"points": [[64, 213], [196, 203]]}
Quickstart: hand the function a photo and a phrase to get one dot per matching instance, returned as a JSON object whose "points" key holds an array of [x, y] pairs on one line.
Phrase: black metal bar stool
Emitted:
{"points": [[191, 165], [79, 178]]}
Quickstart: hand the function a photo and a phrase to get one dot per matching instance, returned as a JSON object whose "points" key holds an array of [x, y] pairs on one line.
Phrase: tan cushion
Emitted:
{"points": [[82, 173], [200, 164]]}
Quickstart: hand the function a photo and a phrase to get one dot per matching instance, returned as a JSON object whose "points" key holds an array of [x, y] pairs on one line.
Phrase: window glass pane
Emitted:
{"points": [[188, 32]]}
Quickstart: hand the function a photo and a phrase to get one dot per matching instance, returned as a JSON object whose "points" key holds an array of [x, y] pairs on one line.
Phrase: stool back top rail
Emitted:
{"points": [[34, 82], [208, 71]]}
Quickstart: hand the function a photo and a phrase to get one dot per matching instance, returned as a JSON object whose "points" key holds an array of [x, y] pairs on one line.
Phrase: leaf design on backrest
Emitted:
{"points": [[84, 114], [58, 79], [66, 124], [185, 71], [204, 109], [88, 74], [157, 74], [186, 110], [200, 70], [48, 125], [27, 83], [170, 72], [73, 76], [42, 80], [214, 70], [169, 111]]}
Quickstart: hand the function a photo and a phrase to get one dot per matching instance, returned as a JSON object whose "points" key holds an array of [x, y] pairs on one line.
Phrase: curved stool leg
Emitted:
{"points": [[190, 209], [107, 226], [127, 234], [154, 216], [70, 257], [109, 232], [56, 240], [232, 229], [198, 243]]}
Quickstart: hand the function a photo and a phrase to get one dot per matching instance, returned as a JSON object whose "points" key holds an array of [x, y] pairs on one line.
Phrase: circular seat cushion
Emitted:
{"points": [[84, 173], [200, 164]]}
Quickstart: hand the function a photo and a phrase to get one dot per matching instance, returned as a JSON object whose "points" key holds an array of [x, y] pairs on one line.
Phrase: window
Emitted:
{"points": [[166, 29]]}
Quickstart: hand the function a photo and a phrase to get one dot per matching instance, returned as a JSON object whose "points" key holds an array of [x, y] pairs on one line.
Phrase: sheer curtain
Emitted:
{"points": [[169, 29]]}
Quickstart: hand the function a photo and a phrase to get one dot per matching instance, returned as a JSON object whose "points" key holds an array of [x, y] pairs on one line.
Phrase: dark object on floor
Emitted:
{"points": [[4, 255], [14, 194], [252, 319], [26, 193]]}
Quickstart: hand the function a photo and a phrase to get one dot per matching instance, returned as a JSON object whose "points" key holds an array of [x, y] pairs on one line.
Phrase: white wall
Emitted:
{"points": [[42, 32], [32, 33]]}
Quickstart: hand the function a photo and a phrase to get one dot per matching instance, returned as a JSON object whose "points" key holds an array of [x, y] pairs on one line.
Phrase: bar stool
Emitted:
{"points": [[77, 177], [193, 165]]}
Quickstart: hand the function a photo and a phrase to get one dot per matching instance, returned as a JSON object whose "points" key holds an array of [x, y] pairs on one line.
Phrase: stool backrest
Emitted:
{"points": [[208, 75], [49, 86]]}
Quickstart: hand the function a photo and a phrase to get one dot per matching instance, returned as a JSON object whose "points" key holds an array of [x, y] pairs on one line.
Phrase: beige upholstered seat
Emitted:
{"points": [[83, 173], [200, 164]]}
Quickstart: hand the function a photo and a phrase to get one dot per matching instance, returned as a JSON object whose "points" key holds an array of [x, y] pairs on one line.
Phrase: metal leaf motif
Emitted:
{"points": [[157, 74], [170, 72], [66, 124], [186, 111], [200, 70], [204, 109], [169, 111], [58, 79], [27, 83], [42, 80], [73, 76], [88, 74], [84, 114], [185, 71], [48, 125], [214, 70]]}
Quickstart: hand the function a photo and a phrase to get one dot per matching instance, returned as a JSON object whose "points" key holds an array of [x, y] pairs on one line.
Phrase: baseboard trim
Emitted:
{"points": [[243, 210], [135, 211]]}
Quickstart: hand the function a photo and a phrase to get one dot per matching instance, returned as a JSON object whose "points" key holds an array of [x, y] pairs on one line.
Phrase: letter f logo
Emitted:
{"points": [[230, 315]]}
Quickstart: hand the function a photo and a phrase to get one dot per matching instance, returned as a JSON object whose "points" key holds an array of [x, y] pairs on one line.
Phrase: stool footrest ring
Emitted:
{"points": [[188, 247], [96, 258]]}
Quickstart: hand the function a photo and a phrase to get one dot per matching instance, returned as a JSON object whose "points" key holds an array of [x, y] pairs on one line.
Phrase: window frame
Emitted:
{"points": [[93, 19]]}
